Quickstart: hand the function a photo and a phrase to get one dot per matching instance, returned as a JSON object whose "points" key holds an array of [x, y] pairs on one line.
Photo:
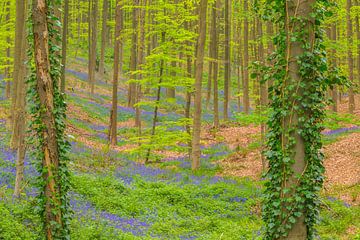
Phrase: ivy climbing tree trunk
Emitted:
{"points": [[199, 65], [48, 122], [295, 124]]}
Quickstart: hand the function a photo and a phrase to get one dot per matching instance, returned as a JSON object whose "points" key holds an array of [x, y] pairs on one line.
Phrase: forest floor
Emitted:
{"points": [[116, 196]]}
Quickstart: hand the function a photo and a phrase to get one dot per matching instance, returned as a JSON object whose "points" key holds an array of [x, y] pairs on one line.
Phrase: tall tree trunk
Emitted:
{"points": [[215, 65], [113, 115], [301, 9], [103, 38], [64, 44], [227, 70], [45, 89], [93, 43], [199, 63], [133, 57], [140, 60], [18, 127], [246, 61], [350, 56]]}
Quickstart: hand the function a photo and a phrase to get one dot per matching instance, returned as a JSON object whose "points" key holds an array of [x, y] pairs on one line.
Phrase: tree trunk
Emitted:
{"points": [[215, 54], [199, 63], [8, 41], [113, 115], [18, 130], [358, 39], [92, 56], [64, 44], [246, 61], [133, 57], [302, 9], [227, 69], [103, 38], [334, 91], [45, 89], [350, 56]]}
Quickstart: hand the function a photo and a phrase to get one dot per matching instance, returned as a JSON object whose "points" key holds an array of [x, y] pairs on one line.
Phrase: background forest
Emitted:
{"points": [[179, 119]]}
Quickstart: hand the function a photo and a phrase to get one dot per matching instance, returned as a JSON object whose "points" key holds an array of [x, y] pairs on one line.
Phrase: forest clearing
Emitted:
{"points": [[171, 119]]}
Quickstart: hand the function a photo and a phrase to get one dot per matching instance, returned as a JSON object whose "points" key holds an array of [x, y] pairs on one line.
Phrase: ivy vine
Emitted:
{"points": [[285, 203], [36, 126]]}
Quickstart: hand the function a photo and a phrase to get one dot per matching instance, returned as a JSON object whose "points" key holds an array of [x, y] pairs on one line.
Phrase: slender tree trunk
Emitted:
{"points": [[196, 152], [8, 41], [113, 115], [156, 109], [246, 61], [350, 57], [103, 37], [140, 59], [64, 44], [133, 57], [45, 89], [92, 57], [215, 54], [357, 23], [334, 91], [227, 70], [263, 89], [18, 130]]}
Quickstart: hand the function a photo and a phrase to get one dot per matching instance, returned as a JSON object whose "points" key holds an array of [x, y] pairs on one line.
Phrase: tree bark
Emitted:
{"points": [[199, 63]]}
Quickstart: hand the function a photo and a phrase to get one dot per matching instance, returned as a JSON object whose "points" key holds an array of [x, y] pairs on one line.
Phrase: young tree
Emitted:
{"points": [[199, 64]]}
